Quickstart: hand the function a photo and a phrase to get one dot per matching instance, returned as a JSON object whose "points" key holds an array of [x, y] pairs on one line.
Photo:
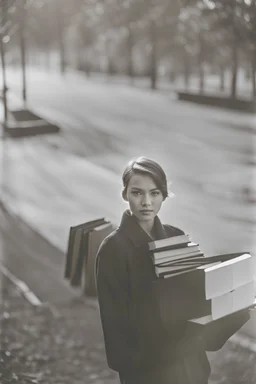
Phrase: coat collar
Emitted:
{"points": [[136, 234]]}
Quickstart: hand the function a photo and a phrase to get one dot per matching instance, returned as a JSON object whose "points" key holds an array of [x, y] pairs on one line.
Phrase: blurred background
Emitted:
{"points": [[89, 84], [207, 44]]}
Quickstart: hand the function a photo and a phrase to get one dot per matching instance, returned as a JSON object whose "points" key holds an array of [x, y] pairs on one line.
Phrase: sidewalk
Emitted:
{"points": [[44, 346], [57, 341], [164, 84], [38, 346]]}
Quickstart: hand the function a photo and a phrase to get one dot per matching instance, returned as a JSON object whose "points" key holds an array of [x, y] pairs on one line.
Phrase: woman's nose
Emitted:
{"points": [[146, 200]]}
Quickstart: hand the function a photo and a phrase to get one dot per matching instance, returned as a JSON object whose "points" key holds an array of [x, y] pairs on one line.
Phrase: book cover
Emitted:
{"points": [[71, 240], [96, 236], [169, 242], [168, 268], [177, 269], [68, 254], [206, 282], [221, 257], [81, 272], [75, 251], [228, 275], [207, 259], [182, 306], [168, 253], [82, 255], [241, 298], [165, 261]]}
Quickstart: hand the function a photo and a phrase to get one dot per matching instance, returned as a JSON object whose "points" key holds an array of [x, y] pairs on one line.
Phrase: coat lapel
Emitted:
{"points": [[130, 226]]}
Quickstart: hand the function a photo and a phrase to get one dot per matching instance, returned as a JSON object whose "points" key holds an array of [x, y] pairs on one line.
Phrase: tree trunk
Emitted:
{"points": [[153, 62], [201, 78], [78, 54], [2, 51], [109, 55], [234, 71], [222, 78], [23, 54], [201, 64], [172, 76], [62, 54], [60, 36], [186, 70], [254, 75], [87, 66], [48, 59], [130, 69], [110, 66]]}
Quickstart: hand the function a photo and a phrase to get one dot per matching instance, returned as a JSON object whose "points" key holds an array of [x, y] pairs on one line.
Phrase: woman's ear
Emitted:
{"points": [[124, 195]]}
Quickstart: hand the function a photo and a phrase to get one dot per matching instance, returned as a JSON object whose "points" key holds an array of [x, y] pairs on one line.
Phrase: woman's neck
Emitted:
{"points": [[147, 226]]}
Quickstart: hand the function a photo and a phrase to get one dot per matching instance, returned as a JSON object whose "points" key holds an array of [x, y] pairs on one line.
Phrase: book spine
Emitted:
{"points": [[191, 282], [166, 247], [183, 259], [173, 272], [180, 252]]}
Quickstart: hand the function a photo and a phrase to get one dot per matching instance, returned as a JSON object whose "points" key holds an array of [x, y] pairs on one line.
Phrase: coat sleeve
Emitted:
{"points": [[111, 273], [216, 333]]}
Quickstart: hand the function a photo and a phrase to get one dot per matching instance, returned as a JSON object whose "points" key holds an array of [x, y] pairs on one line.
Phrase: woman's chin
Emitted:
{"points": [[146, 216]]}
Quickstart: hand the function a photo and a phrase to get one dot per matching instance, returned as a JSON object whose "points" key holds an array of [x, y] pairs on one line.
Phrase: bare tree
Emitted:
{"points": [[5, 26]]}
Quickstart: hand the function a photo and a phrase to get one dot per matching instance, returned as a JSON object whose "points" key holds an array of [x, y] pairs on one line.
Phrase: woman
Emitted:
{"points": [[139, 346]]}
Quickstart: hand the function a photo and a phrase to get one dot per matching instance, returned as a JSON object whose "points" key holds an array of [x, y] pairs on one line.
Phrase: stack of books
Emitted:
{"points": [[174, 254], [83, 244], [191, 286]]}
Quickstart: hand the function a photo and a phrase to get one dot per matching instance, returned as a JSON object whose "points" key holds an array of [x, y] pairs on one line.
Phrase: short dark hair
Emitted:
{"points": [[145, 166]]}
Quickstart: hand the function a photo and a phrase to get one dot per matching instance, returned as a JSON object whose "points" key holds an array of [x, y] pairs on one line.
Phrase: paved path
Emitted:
{"points": [[60, 180], [79, 338], [29, 257], [39, 264]]}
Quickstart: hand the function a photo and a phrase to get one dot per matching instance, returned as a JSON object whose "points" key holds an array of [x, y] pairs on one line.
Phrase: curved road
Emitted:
{"points": [[208, 153]]}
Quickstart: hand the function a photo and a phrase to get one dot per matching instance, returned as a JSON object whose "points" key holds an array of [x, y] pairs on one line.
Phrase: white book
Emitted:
{"points": [[231, 302], [228, 275]]}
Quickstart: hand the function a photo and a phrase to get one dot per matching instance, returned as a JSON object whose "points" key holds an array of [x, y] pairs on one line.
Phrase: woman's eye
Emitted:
{"points": [[136, 193], [155, 193]]}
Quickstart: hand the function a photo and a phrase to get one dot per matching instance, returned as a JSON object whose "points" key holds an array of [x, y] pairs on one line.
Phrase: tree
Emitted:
{"points": [[250, 18], [228, 17], [6, 8]]}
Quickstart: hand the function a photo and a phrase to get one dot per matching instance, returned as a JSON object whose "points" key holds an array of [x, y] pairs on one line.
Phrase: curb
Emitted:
{"points": [[22, 287], [89, 301]]}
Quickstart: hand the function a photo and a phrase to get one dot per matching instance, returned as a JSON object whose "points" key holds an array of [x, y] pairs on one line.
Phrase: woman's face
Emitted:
{"points": [[144, 198]]}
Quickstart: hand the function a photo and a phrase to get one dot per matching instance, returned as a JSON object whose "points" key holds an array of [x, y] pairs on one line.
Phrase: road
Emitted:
{"points": [[208, 155]]}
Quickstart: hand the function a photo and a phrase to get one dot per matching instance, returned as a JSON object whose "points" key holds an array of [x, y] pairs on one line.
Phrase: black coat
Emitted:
{"points": [[138, 344]]}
